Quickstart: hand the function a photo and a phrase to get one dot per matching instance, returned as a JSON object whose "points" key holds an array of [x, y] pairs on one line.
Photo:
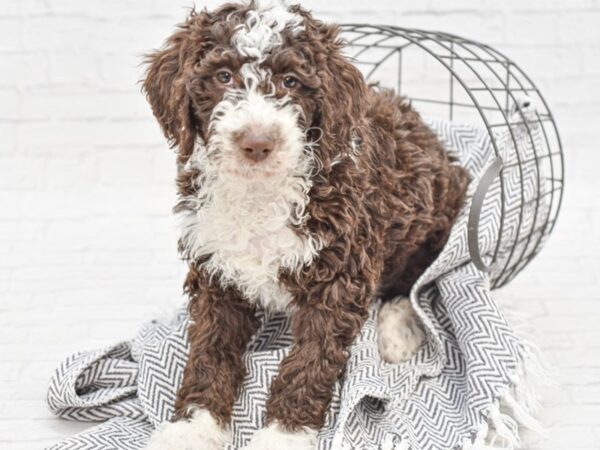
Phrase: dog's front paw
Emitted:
{"points": [[399, 334], [200, 432], [273, 437]]}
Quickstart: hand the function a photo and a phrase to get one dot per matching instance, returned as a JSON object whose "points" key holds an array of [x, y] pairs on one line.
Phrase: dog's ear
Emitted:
{"points": [[165, 85], [344, 91]]}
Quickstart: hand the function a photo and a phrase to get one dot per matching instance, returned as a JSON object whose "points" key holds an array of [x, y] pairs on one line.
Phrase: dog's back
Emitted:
{"points": [[421, 185]]}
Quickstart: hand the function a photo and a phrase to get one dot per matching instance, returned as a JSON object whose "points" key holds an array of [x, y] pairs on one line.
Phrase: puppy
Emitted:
{"points": [[301, 189]]}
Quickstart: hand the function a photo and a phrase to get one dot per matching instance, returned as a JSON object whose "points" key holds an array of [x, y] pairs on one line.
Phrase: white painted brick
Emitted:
{"points": [[80, 32], [516, 6], [356, 6], [24, 8], [10, 205], [65, 135], [8, 142], [583, 307], [52, 32], [554, 396], [84, 102], [571, 437], [576, 377], [535, 27], [74, 67], [488, 27], [15, 231], [164, 166], [18, 68], [121, 70], [571, 415], [548, 62], [551, 340], [21, 172], [76, 332], [10, 33], [577, 93], [125, 168], [580, 26], [11, 334], [586, 394], [435, 6], [66, 172], [591, 58], [582, 356], [107, 9]]}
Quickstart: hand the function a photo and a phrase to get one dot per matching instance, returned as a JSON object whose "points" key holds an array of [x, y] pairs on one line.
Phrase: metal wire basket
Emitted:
{"points": [[463, 81]]}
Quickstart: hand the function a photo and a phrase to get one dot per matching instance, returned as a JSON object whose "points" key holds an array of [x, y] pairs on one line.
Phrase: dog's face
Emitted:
{"points": [[249, 89]]}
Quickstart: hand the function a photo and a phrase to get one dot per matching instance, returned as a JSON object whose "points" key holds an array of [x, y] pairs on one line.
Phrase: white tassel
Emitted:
{"points": [[522, 415], [505, 427], [514, 408], [402, 445], [388, 442]]}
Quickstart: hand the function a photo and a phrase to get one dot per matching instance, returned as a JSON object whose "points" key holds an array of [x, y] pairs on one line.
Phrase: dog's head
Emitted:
{"points": [[250, 88]]}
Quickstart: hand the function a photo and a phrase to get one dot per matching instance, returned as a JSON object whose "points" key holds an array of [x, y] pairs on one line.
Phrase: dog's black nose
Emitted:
{"points": [[256, 147]]}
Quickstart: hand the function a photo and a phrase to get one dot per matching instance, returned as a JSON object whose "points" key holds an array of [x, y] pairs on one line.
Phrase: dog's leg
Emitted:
{"points": [[399, 333], [324, 324], [222, 324]]}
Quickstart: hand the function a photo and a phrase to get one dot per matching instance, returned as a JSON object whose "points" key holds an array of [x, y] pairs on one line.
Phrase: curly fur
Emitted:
{"points": [[399, 332], [355, 202]]}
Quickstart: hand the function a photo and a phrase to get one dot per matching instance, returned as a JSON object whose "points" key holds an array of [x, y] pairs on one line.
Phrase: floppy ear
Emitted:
{"points": [[344, 93], [165, 86]]}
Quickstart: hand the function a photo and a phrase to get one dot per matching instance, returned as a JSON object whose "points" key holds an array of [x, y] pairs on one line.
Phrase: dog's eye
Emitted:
{"points": [[224, 76], [290, 82]]}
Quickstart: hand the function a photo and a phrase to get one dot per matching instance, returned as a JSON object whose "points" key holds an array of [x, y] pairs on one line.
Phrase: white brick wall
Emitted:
{"points": [[87, 247]]}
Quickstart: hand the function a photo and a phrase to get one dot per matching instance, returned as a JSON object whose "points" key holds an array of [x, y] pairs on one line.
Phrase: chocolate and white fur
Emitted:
{"points": [[301, 189]]}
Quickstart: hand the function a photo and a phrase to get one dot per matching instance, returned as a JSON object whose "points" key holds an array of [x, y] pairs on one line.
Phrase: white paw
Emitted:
{"points": [[273, 437], [399, 334], [200, 432]]}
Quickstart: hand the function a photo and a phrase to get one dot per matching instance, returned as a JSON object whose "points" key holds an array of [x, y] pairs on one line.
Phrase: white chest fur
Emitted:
{"points": [[245, 227]]}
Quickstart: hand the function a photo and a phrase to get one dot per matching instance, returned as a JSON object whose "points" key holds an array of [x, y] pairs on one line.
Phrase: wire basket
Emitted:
{"points": [[462, 81]]}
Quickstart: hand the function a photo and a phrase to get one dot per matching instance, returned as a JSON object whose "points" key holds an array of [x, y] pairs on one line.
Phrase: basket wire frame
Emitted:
{"points": [[484, 87]]}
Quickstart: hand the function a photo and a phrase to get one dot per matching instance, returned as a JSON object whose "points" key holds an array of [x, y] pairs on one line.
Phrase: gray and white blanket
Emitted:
{"points": [[468, 386]]}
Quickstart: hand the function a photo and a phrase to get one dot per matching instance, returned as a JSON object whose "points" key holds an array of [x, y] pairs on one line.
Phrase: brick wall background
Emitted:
{"points": [[87, 244]]}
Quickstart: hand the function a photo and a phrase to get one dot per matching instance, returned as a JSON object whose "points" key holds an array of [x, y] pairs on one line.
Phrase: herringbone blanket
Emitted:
{"points": [[466, 385]]}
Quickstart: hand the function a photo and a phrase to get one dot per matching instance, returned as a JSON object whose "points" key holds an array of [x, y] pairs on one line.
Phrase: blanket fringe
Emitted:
{"points": [[516, 407]]}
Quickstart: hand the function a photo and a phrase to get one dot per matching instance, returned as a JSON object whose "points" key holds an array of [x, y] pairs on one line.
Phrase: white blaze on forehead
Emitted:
{"points": [[263, 27]]}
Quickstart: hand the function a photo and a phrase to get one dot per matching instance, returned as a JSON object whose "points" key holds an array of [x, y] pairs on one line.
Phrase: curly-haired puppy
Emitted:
{"points": [[301, 189]]}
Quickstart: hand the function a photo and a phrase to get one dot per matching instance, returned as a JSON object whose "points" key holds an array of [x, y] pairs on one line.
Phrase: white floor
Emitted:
{"points": [[559, 294]]}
